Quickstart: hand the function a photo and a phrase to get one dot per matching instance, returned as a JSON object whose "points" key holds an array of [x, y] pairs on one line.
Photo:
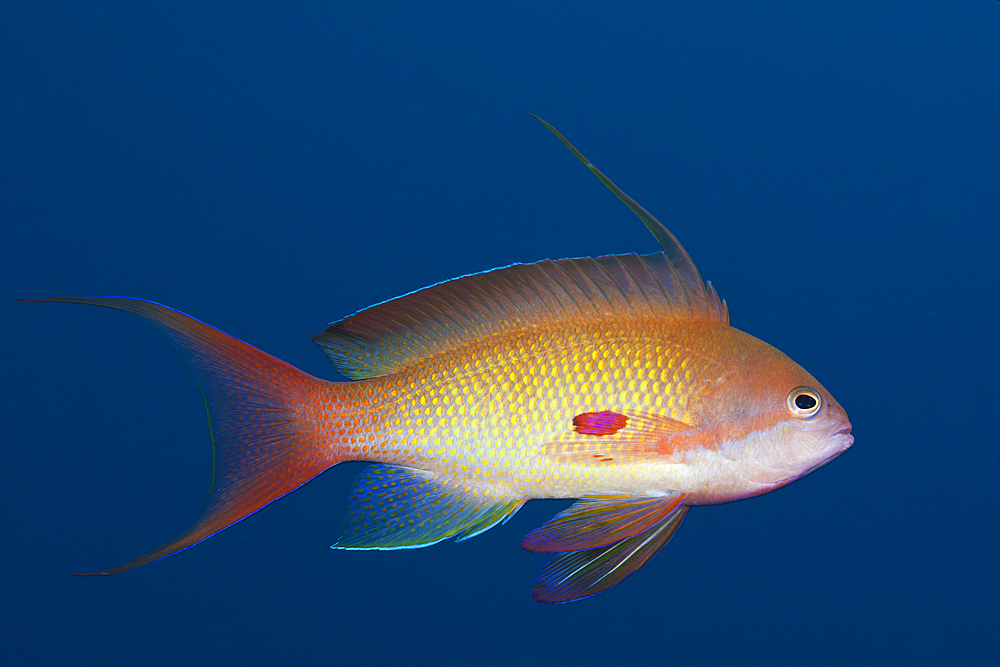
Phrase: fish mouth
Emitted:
{"points": [[836, 444], [842, 437], [845, 430]]}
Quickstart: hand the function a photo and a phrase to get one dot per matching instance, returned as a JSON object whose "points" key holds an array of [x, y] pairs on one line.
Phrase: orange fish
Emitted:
{"points": [[613, 380]]}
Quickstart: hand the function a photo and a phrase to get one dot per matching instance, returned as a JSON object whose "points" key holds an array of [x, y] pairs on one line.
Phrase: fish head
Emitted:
{"points": [[774, 421]]}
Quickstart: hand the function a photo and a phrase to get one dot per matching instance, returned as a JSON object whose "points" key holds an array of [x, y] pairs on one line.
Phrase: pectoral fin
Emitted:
{"points": [[611, 436], [580, 574]]}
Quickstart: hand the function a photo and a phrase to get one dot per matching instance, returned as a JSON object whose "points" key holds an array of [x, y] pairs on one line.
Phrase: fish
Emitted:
{"points": [[615, 381]]}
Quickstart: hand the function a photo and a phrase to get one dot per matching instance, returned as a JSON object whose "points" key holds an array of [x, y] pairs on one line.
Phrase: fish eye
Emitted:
{"points": [[804, 402]]}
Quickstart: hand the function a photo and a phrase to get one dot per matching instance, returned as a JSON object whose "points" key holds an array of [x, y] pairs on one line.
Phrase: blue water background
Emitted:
{"points": [[833, 168]]}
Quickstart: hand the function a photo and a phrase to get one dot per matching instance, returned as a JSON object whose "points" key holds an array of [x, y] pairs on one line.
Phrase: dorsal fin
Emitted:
{"points": [[388, 337], [392, 335]]}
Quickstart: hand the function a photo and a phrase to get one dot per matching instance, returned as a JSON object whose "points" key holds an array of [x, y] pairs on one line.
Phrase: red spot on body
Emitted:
{"points": [[599, 423]]}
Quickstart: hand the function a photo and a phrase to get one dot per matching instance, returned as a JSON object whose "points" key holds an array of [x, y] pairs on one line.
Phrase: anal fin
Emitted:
{"points": [[392, 507]]}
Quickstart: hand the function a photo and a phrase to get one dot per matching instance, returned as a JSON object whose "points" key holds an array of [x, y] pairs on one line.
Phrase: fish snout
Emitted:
{"points": [[841, 438]]}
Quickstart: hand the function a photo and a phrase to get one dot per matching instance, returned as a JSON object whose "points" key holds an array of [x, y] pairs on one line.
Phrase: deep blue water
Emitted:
{"points": [[833, 168]]}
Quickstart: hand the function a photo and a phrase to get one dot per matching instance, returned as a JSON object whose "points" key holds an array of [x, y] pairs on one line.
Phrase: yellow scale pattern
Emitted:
{"points": [[481, 414]]}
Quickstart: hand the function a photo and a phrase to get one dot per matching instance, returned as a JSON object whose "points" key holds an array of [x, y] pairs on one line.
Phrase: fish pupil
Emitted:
{"points": [[805, 402]]}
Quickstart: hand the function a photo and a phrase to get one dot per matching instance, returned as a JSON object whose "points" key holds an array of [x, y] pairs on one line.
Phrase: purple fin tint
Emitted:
{"points": [[598, 522], [580, 574]]}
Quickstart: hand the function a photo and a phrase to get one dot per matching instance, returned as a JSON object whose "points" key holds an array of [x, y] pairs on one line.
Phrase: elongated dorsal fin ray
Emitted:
{"points": [[671, 246]]}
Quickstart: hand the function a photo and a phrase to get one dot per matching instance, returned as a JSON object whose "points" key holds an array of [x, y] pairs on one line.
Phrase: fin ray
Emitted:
{"points": [[579, 574], [599, 437], [599, 522], [262, 437], [392, 507], [679, 258], [392, 335], [389, 336]]}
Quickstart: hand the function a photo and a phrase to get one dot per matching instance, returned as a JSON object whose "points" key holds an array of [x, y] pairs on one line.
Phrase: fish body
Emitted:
{"points": [[614, 380], [498, 414]]}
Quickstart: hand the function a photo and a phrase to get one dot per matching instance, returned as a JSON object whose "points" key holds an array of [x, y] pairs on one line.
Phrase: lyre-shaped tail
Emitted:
{"points": [[259, 413]]}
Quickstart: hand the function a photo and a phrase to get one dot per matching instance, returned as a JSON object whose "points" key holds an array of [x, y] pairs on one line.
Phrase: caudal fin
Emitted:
{"points": [[259, 409]]}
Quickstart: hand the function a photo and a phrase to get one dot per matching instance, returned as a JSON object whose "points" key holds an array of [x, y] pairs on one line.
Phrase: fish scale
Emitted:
{"points": [[615, 380], [482, 418]]}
